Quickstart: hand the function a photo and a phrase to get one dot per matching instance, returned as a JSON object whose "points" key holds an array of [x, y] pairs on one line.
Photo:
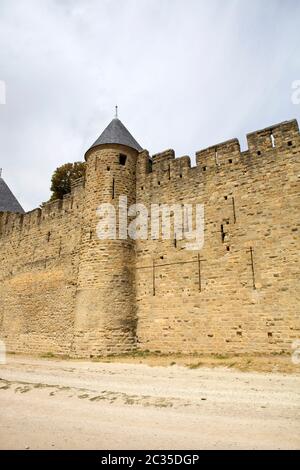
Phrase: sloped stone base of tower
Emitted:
{"points": [[103, 326], [103, 343]]}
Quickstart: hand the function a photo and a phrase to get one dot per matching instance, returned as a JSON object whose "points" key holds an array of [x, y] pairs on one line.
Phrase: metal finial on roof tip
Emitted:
{"points": [[116, 115]]}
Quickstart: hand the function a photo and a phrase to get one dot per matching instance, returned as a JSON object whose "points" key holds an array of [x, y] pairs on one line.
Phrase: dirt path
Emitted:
{"points": [[64, 404]]}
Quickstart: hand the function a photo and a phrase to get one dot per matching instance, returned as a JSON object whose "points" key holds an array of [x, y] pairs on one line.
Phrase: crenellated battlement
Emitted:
{"points": [[163, 168], [277, 139], [219, 154], [162, 157], [278, 136], [13, 222], [166, 167]]}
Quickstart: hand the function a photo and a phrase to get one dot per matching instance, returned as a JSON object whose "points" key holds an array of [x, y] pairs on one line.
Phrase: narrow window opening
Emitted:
{"points": [[290, 143], [180, 175], [273, 142], [48, 236], [158, 183], [108, 168], [204, 168], [230, 160], [226, 198], [259, 153], [233, 210], [122, 159], [223, 234], [91, 234], [270, 335], [169, 171], [228, 248], [251, 251], [142, 187], [113, 188], [175, 241]]}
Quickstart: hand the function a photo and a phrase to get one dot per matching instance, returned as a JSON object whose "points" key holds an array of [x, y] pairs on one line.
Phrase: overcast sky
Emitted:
{"points": [[186, 74]]}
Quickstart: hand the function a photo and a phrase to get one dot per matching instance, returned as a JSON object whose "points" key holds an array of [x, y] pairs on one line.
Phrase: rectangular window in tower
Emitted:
{"points": [[122, 159]]}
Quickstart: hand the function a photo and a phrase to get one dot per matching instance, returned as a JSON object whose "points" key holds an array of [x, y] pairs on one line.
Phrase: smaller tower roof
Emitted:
{"points": [[116, 133], [8, 202]]}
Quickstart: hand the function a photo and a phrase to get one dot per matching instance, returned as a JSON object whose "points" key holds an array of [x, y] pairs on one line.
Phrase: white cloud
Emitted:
{"points": [[185, 73]]}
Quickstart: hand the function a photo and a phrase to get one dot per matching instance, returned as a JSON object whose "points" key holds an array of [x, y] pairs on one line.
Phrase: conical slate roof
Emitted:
{"points": [[8, 202], [116, 133]]}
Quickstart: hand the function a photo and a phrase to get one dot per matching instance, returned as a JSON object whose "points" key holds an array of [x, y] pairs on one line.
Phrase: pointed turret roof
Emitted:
{"points": [[116, 133], [8, 202]]}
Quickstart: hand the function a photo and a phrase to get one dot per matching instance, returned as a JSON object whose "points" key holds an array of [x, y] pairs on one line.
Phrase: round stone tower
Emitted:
{"points": [[105, 317]]}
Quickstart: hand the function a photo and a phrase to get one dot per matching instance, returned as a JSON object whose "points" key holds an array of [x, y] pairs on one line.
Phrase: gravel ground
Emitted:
{"points": [[65, 404]]}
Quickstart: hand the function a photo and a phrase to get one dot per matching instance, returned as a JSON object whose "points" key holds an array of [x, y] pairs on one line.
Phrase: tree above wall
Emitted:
{"points": [[63, 176]]}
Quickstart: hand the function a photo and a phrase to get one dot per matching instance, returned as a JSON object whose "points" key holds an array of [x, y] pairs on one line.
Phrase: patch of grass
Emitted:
{"points": [[51, 355], [280, 353], [163, 405], [219, 356], [48, 355], [145, 353], [129, 401], [97, 398], [138, 353], [39, 385], [195, 366], [260, 362]]}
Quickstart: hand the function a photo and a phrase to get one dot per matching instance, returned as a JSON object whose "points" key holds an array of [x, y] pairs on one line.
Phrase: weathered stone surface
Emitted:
{"points": [[62, 290]]}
